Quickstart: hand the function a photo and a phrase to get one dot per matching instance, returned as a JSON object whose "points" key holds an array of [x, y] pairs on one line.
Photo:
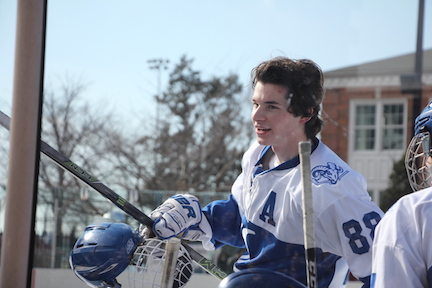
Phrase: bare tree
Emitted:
{"points": [[80, 134]]}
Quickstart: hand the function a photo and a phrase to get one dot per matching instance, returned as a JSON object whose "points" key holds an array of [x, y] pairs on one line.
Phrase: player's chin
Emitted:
{"points": [[263, 141]]}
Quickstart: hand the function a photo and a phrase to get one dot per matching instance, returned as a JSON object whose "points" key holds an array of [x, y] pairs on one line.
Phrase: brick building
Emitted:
{"points": [[368, 120]]}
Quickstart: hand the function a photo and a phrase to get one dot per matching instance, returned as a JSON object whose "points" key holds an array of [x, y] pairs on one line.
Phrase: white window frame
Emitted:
{"points": [[379, 125]]}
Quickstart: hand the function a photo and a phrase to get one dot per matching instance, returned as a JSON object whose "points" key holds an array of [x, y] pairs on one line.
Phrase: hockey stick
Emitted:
{"points": [[152, 265], [116, 199], [171, 255], [308, 213]]}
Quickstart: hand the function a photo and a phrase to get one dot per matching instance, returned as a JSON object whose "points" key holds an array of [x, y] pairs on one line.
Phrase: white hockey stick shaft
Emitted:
{"points": [[171, 255], [65, 163], [308, 213]]}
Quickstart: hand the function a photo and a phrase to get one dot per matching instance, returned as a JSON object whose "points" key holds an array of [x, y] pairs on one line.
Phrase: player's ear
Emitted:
{"points": [[303, 120]]}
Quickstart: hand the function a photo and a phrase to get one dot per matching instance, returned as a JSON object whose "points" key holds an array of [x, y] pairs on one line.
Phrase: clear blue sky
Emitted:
{"points": [[107, 43]]}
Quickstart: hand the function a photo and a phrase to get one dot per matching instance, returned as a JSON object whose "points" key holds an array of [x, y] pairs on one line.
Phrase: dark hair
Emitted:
{"points": [[304, 80]]}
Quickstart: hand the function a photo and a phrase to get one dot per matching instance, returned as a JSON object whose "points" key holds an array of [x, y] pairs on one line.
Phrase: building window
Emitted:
{"points": [[393, 126], [379, 126], [365, 127]]}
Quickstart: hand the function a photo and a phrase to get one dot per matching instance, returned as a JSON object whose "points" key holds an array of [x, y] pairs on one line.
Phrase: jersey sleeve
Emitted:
{"points": [[225, 222], [347, 227]]}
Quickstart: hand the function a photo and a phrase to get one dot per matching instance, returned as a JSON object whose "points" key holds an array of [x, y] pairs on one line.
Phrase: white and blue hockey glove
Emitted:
{"points": [[179, 213]]}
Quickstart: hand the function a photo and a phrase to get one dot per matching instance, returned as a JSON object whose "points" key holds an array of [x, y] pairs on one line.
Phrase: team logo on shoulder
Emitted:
{"points": [[330, 173]]}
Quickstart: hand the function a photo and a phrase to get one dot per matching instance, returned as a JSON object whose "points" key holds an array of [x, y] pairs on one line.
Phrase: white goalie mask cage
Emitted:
{"points": [[147, 265], [418, 161]]}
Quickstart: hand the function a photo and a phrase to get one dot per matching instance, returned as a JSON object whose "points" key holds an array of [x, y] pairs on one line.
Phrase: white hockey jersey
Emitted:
{"points": [[402, 250], [264, 214]]}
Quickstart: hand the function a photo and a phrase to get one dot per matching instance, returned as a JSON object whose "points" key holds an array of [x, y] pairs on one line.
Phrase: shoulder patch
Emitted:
{"points": [[330, 173]]}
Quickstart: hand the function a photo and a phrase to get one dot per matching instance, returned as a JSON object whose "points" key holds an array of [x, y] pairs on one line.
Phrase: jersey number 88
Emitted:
{"points": [[352, 229]]}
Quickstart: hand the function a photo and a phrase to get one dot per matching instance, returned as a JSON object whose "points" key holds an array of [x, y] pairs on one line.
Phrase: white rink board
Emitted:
{"points": [[65, 278]]}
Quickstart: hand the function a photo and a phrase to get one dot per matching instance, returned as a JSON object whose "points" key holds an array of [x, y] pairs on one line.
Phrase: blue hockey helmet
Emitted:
{"points": [[423, 122], [103, 252], [418, 157], [259, 278]]}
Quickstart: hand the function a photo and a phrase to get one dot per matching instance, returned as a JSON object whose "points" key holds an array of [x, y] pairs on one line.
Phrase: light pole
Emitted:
{"points": [[158, 64], [411, 83]]}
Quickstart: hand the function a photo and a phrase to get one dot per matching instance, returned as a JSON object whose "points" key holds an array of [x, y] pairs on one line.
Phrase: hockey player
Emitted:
{"points": [[402, 251], [264, 210]]}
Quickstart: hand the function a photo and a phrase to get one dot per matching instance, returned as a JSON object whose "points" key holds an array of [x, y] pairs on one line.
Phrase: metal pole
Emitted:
{"points": [[417, 96], [159, 65], [23, 166]]}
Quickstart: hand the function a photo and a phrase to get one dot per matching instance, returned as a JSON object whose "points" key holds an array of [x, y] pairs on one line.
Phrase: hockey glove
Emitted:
{"points": [[193, 233], [177, 214]]}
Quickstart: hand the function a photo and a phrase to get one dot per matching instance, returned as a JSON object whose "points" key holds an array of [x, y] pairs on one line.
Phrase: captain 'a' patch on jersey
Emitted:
{"points": [[267, 213]]}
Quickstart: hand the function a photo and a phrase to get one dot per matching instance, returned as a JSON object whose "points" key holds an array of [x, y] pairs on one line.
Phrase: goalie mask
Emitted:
{"points": [[103, 252], [148, 263], [418, 157]]}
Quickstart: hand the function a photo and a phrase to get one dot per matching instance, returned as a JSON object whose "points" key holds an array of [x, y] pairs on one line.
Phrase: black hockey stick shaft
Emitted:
{"points": [[116, 199]]}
